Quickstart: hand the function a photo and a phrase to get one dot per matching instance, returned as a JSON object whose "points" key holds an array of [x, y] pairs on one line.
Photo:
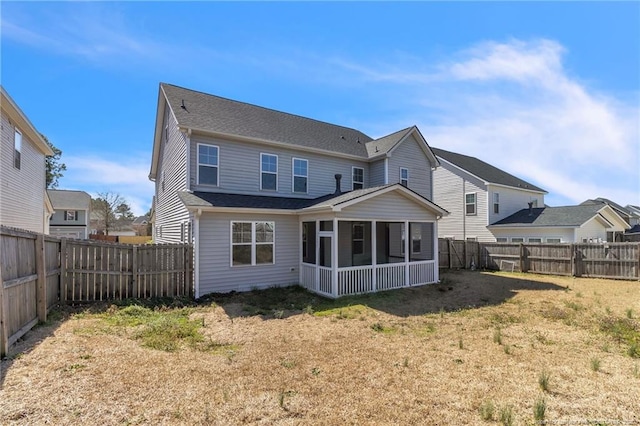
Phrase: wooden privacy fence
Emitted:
{"points": [[38, 271], [608, 260]]}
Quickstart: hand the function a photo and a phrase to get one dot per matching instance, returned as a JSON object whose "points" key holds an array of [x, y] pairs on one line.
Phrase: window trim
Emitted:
{"points": [[475, 204], [406, 185], [75, 215], [272, 173], [17, 148], [496, 203], [353, 180], [294, 175], [254, 243], [198, 164]]}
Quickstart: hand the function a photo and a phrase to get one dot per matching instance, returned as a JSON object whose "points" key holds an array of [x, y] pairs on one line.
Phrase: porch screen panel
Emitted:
{"points": [[389, 242], [421, 241], [309, 242]]}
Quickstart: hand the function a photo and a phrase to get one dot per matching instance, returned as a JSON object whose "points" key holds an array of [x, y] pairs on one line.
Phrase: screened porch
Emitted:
{"points": [[344, 257]]}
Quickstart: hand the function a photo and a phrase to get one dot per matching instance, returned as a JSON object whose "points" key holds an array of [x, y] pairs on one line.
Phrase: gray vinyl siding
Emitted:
{"points": [[391, 206], [21, 190], [59, 215], [170, 211], [409, 155], [216, 274], [376, 173], [239, 169]]}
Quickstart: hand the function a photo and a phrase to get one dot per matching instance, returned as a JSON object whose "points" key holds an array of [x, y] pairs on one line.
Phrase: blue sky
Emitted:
{"points": [[547, 91]]}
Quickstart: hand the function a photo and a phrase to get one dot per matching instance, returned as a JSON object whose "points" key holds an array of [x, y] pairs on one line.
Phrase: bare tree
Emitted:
{"points": [[105, 208]]}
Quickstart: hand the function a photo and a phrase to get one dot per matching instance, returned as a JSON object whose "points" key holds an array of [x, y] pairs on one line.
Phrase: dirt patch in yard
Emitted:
{"points": [[440, 354]]}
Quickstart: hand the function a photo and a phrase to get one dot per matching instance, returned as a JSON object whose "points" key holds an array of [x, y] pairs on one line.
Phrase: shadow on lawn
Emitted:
{"points": [[457, 290]]}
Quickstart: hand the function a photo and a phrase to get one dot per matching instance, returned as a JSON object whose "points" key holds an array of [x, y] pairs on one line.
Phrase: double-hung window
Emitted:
{"points": [[470, 203], [252, 243], [300, 175], [208, 164], [496, 203], [357, 178], [70, 215], [268, 172], [404, 176], [17, 149]]}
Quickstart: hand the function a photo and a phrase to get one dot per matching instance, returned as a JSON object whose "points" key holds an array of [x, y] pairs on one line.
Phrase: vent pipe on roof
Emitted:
{"points": [[338, 178], [530, 208]]}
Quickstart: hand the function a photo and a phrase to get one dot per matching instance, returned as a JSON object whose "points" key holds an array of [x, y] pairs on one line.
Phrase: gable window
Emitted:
{"points": [[470, 203], [496, 203], [404, 176], [357, 178], [17, 149], [358, 238], [269, 172], [70, 215], [300, 175], [252, 243], [208, 163]]}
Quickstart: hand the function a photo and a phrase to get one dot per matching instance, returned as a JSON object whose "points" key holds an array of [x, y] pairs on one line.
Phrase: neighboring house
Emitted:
{"points": [[477, 194], [23, 199], [270, 198], [585, 223], [630, 214], [72, 213], [140, 225]]}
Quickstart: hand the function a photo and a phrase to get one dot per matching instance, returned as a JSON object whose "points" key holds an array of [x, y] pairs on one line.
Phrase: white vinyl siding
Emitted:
{"points": [[300, 177], [511, 200], [268, 172], [410, 155], [172, 164], [357, 178], [208, 165], [217, 274], [23, 190]]}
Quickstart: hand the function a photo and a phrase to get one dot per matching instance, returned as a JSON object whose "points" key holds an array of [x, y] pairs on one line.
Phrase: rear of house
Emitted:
{"points": [[72, 210], [23, 201]]}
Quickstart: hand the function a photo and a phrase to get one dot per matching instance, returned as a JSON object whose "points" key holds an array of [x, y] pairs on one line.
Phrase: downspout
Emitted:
{"points": [[188, 177], [386, 170], [464, 210]]}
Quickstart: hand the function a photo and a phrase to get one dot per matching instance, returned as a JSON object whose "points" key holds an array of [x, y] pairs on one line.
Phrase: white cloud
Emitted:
{"points": [[127, 177]]}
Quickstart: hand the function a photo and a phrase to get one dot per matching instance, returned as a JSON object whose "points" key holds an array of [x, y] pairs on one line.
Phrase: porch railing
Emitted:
{"points": [[355, 280], [325, 281], [308, 277], [390, 276], [422, 272]]}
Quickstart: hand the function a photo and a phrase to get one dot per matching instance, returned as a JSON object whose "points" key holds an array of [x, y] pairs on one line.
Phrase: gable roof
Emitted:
{"points": [[18, 117], [565, 216], [387, 144], [214, 114], [208, 200], [622, 211], [68, 199], [485, 171]]}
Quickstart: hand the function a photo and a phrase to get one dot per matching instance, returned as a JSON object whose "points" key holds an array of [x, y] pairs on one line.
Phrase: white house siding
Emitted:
{"points": [[450, 187], [217, 276], [389, 207], [376, 173], [69, 231], [21, 190], [170, 211], [592, 230], [239, 169], [565, 234], [511, 201], [409, 155]]}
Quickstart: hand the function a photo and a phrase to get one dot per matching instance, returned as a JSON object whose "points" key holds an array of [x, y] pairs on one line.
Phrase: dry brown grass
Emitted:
{"points": [[418, 356]]}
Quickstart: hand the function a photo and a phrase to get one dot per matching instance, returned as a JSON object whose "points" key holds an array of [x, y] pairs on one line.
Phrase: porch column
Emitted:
{"points": [[374, 256], [316, 284], [406, 253], [436, 249], [334, 258]]}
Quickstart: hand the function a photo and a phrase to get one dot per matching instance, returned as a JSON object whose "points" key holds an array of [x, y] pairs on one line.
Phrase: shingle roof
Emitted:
{"points": [[384, 144], [484, 170], [621, 210], [216, 114], [67, 199], [568, 216]]}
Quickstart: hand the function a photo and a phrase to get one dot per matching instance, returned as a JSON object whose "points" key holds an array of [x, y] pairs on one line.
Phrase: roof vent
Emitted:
{"points": [[338, 178], [183, 105], [530, 203]]}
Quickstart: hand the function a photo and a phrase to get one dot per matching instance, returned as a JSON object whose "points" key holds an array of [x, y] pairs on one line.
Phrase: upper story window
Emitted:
{"points": [[404, 176], [470, 204], [357, 178], [534, 203], [70, 215], [300, 175], [252, 243], [269, 172], [496, 203], [17, 149], [208, 164]]}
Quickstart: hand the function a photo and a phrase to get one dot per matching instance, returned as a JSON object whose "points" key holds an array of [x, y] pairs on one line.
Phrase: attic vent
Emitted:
{"points": [[358, 140]]}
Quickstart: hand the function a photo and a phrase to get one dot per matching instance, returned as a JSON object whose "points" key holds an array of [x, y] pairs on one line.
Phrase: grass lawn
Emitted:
{"points": [[479, 348]]}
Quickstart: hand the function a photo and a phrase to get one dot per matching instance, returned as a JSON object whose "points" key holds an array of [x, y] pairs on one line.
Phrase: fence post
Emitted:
{"points": [[573, 260], [3, 331], [63, 270], [134, 271], [41, 283], [450, 242], [522, 266]]}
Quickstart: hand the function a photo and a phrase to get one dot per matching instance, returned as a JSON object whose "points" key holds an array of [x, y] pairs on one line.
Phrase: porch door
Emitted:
{"points": [[325, 250]]}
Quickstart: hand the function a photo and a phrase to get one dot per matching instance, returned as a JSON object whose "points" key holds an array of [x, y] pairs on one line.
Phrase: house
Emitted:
{"points": [[270, 198], [140, 225], [630, 214], [585, 223], [23, 199], [72, 213], [477, 194]]}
